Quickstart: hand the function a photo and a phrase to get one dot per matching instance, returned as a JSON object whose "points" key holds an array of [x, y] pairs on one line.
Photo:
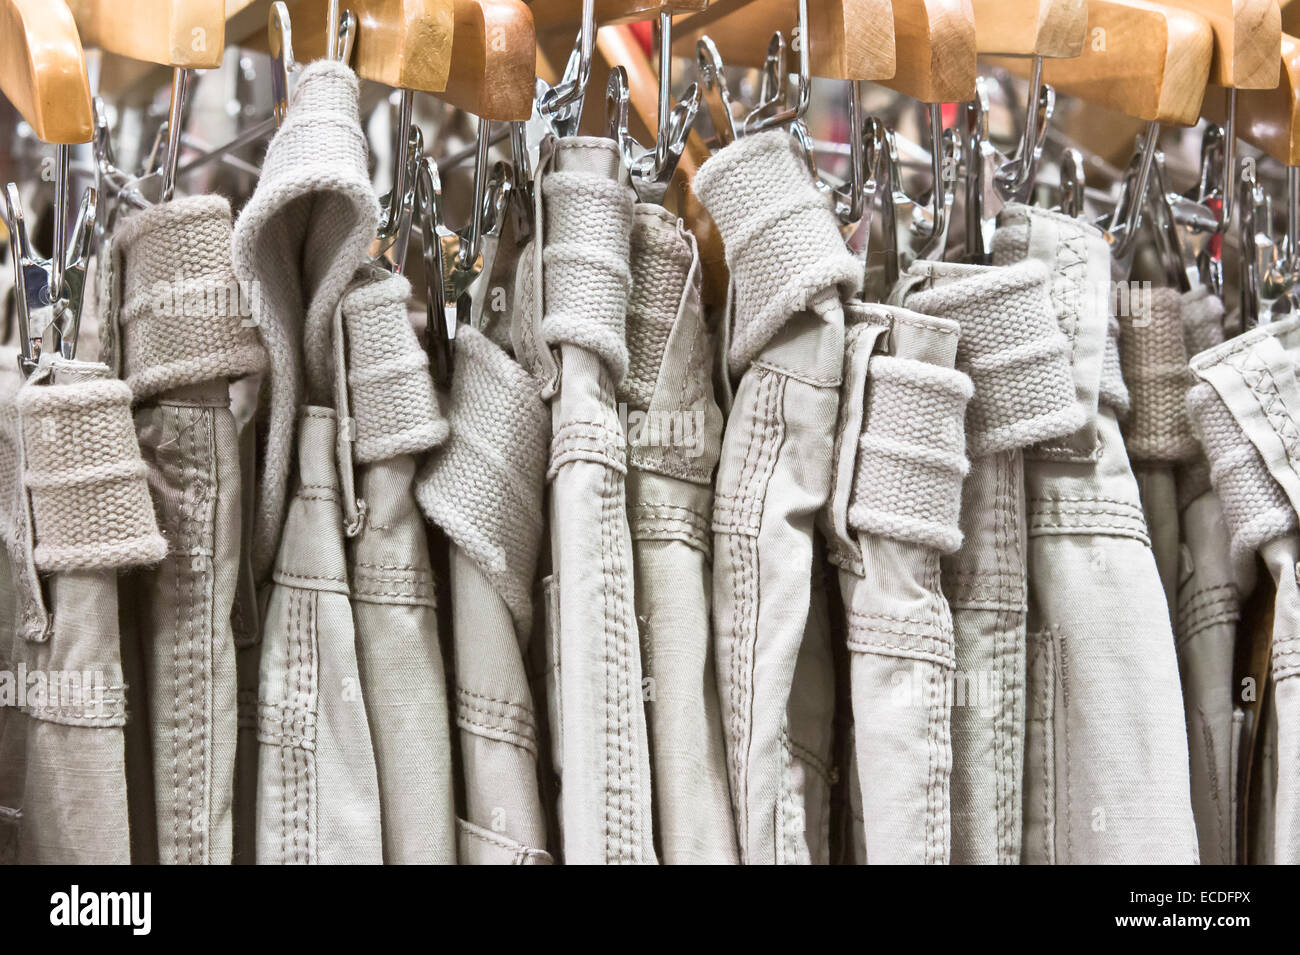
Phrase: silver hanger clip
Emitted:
{"points": [[652, 169], [559, 107], [458, 264], [1270, 270], [1121, 226], [1189, 225], [714, 93], [1073, 189], [992, 178], [49, 293], [340, 37]]}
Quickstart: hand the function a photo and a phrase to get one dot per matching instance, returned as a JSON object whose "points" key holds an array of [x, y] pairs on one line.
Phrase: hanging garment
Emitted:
{"points": [[1099, 679], [789, 270], [894, 505], [674, 431], [382, 377], [1018, 361], [172, 329], [297, 245], [572, 289], [78, 512], [1157, 435], [1243, 407], [317, 784], [484, 489], [1157, 332]]}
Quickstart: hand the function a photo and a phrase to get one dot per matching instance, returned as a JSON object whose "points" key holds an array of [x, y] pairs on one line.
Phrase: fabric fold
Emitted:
{"points": [[789, 268], [297, 243], [783, 248], [90, 502], [182, 317]]}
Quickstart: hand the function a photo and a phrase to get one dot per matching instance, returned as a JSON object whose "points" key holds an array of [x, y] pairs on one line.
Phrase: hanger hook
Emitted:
{"points": [[1015, 177], [945, 157], [562, 103], [763, 117], [652, 169], [470, 248], [1073, 182], [1122, 227], [437, 331], [713, 90]]}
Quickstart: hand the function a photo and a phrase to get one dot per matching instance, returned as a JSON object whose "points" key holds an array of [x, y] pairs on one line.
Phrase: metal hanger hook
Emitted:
{"points": [[562, 103], [767, 115]]}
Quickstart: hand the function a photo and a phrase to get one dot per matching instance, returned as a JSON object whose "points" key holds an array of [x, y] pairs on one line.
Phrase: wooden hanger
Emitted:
{"points": [[1246, 38], [1270, 119], [494, 59], [1290, 17], [851, 39], [567, 14], [1053, 29], [936, 50], [1143, 59], [405, 44], [43, 70], [491, 47], [189, 35], [930, 55]]}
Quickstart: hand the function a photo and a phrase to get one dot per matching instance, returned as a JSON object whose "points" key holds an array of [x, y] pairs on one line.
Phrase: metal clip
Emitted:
{"points": [[50, 292], [652, 169]]}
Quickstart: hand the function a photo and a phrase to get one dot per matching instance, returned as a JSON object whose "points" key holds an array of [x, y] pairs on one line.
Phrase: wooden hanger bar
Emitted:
{"points": [[1246, 38], [1270, 119], [1053, 29], [936, 50], [567, 14], [43, 70], [190, 35], [930, 55], [851, 39], [1143, 59], [1290, 16], [494, 60], [405, 44]]}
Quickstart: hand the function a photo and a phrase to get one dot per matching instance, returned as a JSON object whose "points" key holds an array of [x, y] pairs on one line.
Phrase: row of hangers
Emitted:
{"points": [[530, 65]]}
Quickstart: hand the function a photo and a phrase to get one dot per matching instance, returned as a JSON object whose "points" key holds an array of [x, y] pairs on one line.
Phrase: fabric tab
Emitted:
{"points": [[484, 487], [182, 314], [911, 455], [1010, 345], [91, 508], [782, 241]]}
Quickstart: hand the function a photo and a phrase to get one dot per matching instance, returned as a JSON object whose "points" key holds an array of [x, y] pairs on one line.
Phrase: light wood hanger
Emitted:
{"points": [[1270, 119], [936, 42], [933, 41], [43, 70], [1290, 17], [851, 39], [1146, 60], [494, 61], [1246, 38], [405, 44], [567, 14], [1053, 29], [189, 35]]}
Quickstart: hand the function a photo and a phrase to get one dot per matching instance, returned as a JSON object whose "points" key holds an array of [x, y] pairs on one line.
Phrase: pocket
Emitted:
{"points": [[478, 846]]}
